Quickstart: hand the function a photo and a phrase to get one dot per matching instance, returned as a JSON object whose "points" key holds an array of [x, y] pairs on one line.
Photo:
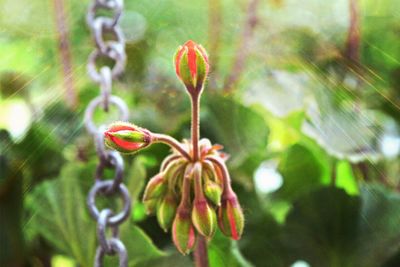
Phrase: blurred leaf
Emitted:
{"points": [[62, 261], [136, 177], [345, 178], [345, 132], [379, 220], [175, 260], [331, 228], [13, 84], [261, 243], [42, 144], [242, 131], [281, 92], [12, 247], [58, 212], [224, 252], [138, 245], [301, 171], [320, 228]]}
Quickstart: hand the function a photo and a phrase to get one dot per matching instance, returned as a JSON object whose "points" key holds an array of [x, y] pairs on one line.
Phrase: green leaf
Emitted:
{"points": [[301, 171], [59, 214], [320, 228], [136, 177], [345, 178], [139, 246], [175, 260], [379, 220], [328, 227], [224, 252], [42, 144], [261, 242], [242, 131]]}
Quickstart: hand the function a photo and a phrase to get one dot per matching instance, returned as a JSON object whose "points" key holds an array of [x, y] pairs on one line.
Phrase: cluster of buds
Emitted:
{"points": [[192, 192], [194, 197]]}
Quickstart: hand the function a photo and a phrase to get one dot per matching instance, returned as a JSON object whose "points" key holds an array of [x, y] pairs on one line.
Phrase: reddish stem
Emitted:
{"points": [[228, 192], [168, 140], [195, 126], [201, 253]]}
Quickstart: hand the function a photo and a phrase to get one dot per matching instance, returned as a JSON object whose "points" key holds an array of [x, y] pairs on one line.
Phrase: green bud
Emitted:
{"points": [[166, 211], [183, 233], [204, 218], [213, 192], [150, 206], [155, 188]]}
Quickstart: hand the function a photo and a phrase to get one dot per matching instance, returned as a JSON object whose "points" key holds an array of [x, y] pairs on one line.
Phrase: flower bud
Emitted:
{"points": [[213, 192], [191, 65], [183, 233], [127, 138], [155, 188], [204, 218], [150, 206], [166, 211], [230, 217]]}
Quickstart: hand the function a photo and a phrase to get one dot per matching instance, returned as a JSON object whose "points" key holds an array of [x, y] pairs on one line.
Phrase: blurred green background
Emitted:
{"points": [[304, 96]]}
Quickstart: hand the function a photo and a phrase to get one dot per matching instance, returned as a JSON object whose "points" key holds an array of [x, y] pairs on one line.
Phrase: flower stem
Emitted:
{"points": [[195, 127], [225, 174], [166, 139], [201, 252]]}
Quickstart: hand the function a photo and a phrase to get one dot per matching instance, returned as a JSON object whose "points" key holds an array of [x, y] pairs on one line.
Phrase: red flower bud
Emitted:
{"points": [[204, 218], [155, 188], [191, 65], [183, 233], [230, 217], [126, 137]]}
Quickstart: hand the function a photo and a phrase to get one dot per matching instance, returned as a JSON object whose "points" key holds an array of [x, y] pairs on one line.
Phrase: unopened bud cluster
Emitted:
{"points": [[191, 194], [194, 198]]}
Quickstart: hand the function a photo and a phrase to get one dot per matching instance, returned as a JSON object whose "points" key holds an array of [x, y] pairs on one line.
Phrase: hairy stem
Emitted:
{"points": [[242, 50], [185, 200], [225, 174], [168, 140], [201, 252], [198, 189], [195, 127]]}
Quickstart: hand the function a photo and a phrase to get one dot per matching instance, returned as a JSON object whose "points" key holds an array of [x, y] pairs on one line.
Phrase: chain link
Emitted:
{"points": [[110, 44]]}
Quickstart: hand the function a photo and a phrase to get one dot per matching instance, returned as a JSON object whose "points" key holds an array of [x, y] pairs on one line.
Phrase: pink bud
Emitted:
{"points": [[126, 137], [191, 65], [230, 217], [183, 233]]}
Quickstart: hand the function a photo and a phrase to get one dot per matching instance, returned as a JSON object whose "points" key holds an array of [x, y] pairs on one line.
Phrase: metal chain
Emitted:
{"points": [[111, 48]]}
